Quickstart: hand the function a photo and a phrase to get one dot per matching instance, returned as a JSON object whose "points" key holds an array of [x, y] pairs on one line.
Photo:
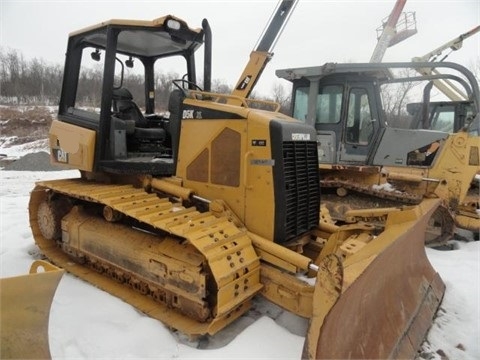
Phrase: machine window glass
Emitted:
{"points": [[89, 88], [443, 119], [133, 78], [329, 104], [359, 119], [166, 70], [300, 107], [129, 74], [469, 111]]}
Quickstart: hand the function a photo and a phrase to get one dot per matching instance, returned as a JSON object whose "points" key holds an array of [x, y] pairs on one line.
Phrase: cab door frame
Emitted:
{"points": [[361, 123]]}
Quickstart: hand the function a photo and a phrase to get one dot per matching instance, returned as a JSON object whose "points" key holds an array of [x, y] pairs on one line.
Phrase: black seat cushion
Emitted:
{"points": [[156, 134]]}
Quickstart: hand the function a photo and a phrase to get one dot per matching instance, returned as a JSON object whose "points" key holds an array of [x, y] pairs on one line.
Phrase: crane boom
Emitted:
{"points": [[454, 45], [444, 85], [263, 51]]}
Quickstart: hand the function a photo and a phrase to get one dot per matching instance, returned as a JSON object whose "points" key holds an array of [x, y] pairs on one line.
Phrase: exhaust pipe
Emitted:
{"points": [[207, 62]]}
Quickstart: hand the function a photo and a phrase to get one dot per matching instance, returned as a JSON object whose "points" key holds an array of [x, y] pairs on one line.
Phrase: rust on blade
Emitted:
{"points": [[389, 297], [330, 276]]}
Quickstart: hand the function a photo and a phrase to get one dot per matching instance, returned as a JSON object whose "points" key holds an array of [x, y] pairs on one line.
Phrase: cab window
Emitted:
{"points": [[329, 104], [359, 118], [300, 107], [443, 119], [90, 80]]}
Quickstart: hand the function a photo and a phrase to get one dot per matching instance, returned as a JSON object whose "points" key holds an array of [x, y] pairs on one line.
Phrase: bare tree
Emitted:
{"points": [[36, 82], [221, 87], [395, 97], [474, 67], [281, 96]]}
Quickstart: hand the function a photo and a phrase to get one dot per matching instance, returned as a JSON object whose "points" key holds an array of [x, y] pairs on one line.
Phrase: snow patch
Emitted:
{"points": [[384, 187]]}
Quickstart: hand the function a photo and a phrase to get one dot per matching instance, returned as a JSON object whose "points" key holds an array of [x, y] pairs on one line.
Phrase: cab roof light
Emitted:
{"points": [[173, 24]]}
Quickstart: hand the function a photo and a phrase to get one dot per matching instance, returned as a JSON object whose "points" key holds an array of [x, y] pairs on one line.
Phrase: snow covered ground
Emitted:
{"points": [[87, 322]]}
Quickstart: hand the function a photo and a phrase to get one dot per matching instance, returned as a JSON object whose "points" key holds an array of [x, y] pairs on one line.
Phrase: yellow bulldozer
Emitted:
{"points": [[384, 158], [189, 215]]}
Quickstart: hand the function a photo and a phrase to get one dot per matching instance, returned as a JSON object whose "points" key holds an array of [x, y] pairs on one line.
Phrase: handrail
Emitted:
{"points": [[243, 102]]}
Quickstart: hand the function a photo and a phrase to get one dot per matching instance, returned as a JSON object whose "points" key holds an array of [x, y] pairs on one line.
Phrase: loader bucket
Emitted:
{"points": [[25, 309], [389, 296]]}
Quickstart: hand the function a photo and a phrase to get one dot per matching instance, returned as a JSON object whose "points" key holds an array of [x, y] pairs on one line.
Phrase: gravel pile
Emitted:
{"points": [[39, 161]]}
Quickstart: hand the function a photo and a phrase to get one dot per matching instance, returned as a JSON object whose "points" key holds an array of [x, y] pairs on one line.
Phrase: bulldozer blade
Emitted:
{"points": [[25, 309], [389, 296]]}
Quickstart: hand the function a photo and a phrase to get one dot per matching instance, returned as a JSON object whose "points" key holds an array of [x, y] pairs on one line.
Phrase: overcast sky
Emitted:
{"points": [[319, 31]]}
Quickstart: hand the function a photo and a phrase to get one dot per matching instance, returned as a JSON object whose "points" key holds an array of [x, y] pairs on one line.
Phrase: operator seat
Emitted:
{"points": [[126, 109], [143, 137]]}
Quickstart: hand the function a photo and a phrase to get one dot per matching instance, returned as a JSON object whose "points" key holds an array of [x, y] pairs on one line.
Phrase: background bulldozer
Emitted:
{"points": [[372, 149], [188, 216]]}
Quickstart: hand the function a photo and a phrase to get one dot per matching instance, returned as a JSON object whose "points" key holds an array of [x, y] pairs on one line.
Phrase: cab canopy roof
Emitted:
{"points": [[382, 72], [318, 72], [143, 38]]}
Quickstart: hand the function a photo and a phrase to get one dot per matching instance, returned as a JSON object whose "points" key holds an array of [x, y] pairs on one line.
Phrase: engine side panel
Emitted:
{"points": [[72, 145], [396, 144]]}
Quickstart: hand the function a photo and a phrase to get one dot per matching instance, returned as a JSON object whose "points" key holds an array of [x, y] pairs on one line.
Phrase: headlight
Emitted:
{"points": [[173, 24]]}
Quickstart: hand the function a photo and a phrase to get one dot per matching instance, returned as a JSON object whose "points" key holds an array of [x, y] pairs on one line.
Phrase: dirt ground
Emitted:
{"points": [[23, 124]]}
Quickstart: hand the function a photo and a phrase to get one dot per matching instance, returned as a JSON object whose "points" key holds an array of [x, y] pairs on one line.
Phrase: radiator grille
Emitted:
{"points": [[302, 190]]}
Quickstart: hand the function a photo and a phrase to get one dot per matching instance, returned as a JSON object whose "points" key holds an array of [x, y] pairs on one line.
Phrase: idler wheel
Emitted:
{"points": [[49, 217]]}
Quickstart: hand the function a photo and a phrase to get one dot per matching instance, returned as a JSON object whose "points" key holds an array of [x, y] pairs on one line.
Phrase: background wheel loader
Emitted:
{"points": [[365, 148], [190, 215]]}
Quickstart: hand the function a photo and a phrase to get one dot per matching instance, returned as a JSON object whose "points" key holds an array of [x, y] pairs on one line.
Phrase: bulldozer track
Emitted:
{"points": [[368, 190], [440, 227], [227, 251]]}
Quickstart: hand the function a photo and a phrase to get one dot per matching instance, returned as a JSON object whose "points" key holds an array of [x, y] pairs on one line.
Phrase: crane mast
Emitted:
{"points": [[392, 31]]}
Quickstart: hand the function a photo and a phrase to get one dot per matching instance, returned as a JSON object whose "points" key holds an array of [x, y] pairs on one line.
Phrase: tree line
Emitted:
{"points": [[36, 82], [28, 81]]}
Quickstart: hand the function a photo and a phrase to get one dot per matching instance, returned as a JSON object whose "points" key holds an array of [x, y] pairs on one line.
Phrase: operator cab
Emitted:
{"points": [[361, 114], [447, 116], [115, 92]]}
